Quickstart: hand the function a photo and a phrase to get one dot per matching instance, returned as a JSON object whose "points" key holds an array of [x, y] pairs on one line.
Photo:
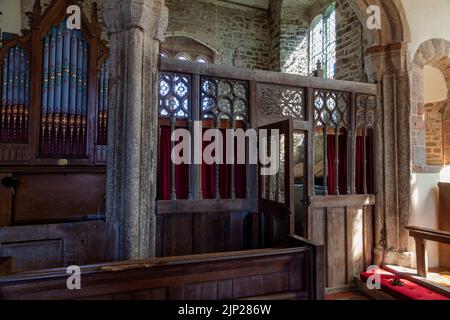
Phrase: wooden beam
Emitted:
{"points": [[222, 71]]}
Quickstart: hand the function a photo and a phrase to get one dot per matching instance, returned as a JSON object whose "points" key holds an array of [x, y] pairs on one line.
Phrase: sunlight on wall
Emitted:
{"points": [[426, 20], [444, 175], [357, 250], [424, 209], [434, 85]]}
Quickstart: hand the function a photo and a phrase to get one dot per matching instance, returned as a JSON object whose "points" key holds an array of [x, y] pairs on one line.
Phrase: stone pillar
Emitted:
{"points": [[135, 29], [387, 66]]}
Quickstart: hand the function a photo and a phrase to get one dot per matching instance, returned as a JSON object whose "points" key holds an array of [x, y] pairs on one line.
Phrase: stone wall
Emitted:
{"points": [[434, 133], [446, 134], [350, 39], [294, 41], [275, 35], [274, 39], [224, 29], [432, 52], [350, 44]]}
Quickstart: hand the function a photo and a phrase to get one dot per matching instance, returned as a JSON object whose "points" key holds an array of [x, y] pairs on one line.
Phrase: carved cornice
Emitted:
{"points": [[151, 16]]}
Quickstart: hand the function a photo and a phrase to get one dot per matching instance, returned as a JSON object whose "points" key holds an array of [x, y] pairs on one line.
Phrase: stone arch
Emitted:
{"points": [[433, 52], [394, 25], [194, 37]]}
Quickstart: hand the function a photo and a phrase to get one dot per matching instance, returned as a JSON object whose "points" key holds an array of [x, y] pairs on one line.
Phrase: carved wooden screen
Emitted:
{"points": [[331, 122], [224, 102], [54, 90], [218, 104], [343, 125]]}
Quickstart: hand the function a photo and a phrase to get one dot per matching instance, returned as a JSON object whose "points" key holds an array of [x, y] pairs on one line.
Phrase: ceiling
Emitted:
{"points": [[261, 4], [264, 4]]}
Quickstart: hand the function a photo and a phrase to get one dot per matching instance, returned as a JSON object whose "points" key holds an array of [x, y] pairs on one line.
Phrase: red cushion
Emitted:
{"points": [[409, 290]]}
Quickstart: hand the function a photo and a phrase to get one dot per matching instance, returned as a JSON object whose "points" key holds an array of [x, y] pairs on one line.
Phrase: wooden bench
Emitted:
{"points": [[421, 236], [6, 265], [293, 272]]}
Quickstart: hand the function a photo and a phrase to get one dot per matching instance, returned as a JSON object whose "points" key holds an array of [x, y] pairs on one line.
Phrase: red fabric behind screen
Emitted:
{"points": [[165, 171], [208, 174], [342, 169]]}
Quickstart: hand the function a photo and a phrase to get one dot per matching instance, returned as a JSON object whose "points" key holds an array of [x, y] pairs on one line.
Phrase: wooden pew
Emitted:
{"points": [[293, 272], [421, 236], [6, 265]]}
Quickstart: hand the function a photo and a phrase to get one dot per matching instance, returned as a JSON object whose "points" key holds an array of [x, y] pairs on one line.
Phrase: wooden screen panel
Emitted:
{"points": [[34, 255], [195, 233], [5, 203], [58, 197], [59, 244]]}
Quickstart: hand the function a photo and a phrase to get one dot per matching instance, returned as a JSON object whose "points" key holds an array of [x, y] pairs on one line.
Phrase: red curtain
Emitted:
{"points": [[165, 169], [359, 177], [342, 168], [208, 174]]}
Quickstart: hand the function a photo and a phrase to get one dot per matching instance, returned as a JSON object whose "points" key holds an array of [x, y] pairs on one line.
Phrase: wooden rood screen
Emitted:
{"points": [[322, 191], [341, 114]]}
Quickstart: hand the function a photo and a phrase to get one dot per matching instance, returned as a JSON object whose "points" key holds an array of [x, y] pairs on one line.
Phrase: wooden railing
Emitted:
{"points": [[421, 236]]}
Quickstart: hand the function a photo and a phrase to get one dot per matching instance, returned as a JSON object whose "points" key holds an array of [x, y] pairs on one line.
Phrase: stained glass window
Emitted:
{"points": [[322, 43]]}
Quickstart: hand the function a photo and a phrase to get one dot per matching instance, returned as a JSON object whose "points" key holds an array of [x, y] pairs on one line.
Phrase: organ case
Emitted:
{"points": [[53, 119]]}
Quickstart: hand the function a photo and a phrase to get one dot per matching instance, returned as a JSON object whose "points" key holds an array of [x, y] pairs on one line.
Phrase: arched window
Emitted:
{"points": [[188, 49], [322, 42], [316, 43], [164, 54], [330, 42], [202, 59], [183, 56]]}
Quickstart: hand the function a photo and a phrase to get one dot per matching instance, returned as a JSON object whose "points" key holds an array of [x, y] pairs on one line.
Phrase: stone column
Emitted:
{"points": [[135, 29], [388, 68]]}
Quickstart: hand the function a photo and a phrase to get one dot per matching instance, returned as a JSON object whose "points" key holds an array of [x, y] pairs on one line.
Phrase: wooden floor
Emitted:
{"points": [[347, 295], [440, 276]]}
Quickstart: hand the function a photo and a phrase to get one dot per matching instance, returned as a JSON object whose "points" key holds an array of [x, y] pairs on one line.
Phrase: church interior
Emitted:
{"points": [[93, 93]]}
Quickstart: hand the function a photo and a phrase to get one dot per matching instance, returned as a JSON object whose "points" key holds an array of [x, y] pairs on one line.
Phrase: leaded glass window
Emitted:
{"points": [[322, 43], [316, 43], [330, 43]]}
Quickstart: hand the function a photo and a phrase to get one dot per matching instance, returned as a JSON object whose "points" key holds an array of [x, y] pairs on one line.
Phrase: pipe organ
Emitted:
{"points": [[53, 119], [15, 96]]}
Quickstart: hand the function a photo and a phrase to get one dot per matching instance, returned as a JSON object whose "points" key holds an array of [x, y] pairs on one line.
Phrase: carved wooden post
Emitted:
{"points": [[135, 29], [421, 255]]}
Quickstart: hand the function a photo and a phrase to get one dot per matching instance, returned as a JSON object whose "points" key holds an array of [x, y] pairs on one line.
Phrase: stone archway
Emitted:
{"points": [[386, 63], [434, 52], [394, 25]]}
